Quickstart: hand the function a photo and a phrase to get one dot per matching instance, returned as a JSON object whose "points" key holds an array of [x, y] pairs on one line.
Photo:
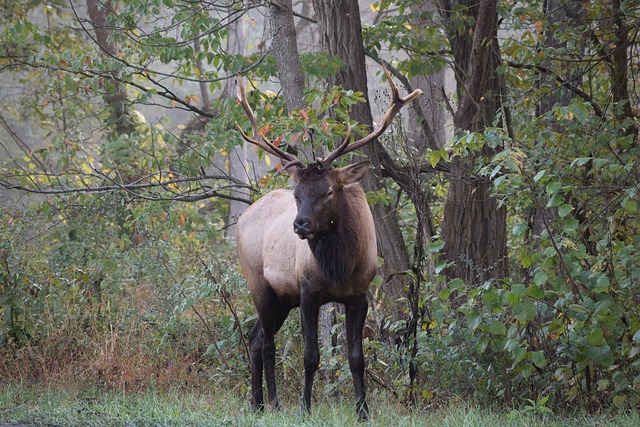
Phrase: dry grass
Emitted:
{"points": [[125, 353]]}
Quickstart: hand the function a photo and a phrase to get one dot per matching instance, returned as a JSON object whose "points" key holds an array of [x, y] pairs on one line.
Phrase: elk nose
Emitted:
{"points": [[301, 226]]}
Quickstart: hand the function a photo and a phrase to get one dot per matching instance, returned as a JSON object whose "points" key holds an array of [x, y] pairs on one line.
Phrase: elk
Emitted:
{"points": [[306, 247]]}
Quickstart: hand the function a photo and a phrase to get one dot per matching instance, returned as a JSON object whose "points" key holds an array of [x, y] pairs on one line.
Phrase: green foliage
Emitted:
{"points": [[16, 290], [398, 32]]}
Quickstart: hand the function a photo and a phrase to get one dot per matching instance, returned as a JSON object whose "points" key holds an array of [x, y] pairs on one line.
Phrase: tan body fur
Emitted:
{"points": [[270, 251]]}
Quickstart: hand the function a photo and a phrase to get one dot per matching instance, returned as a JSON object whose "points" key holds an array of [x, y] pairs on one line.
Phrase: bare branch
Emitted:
{"points": [[135, 188], [568, 84]]}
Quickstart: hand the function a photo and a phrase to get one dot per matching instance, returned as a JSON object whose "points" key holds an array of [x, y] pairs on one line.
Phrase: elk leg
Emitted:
{"points": [[272, 314], [356, 314], [256, 338], [309, 311]]}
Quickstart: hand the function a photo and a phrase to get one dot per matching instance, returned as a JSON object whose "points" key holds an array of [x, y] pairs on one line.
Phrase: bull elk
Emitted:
{"points": [[306, 247]]}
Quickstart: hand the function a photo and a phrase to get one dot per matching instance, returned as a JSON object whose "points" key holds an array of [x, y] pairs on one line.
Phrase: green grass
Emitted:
{"points": [[27, 406]]}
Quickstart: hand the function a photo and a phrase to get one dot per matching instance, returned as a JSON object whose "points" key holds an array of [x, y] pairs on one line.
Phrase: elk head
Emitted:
{"points": [[315, 194]]}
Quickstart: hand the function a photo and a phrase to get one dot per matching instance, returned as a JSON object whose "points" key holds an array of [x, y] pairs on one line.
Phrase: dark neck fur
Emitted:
{"points": [[334, 249]]}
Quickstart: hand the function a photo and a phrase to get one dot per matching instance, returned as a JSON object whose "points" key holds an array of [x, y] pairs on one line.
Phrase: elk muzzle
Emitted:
{"points": [[302, 226]]}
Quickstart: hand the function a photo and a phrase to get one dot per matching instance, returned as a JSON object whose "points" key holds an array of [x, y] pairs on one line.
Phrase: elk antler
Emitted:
{"points": [[289, 160], [396, 105], [257, 138]]}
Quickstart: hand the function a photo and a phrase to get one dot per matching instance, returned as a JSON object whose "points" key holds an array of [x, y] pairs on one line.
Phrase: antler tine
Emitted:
{"points": [[397, 103], [338, 151], [257, 139]]}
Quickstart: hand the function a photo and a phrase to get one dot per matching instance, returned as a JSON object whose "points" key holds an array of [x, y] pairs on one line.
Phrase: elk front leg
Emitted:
{"points": [[356, 314], [309, 310]]}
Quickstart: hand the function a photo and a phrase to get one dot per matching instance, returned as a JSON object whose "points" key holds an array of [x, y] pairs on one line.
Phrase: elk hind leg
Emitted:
{"points": [[256, 338], [272, 313], [356, 314]]}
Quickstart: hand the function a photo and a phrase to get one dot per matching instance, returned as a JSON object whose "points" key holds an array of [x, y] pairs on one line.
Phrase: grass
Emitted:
{"points": [[54, 407]]}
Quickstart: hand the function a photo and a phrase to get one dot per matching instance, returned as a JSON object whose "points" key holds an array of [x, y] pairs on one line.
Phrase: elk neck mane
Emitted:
{"points": [[338, 251]]}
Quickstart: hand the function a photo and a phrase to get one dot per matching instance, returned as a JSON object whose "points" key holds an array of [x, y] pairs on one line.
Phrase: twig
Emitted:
{"points": [[202, 319]]}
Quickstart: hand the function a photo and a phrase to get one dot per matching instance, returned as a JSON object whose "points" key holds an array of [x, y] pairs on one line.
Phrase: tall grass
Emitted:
{"points": [[59, 407]]}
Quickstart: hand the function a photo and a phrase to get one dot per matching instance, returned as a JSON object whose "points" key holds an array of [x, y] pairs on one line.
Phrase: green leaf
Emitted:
{"points": [[537, 357], [496, 327], [526, 311], [535, 292], [630, 206], [556, 200], [579, 309], [435, 247], [564, 210], [456, 284], [519, 228], [518, 290], [519, 353], [581, 161], [482, 344], [540, 278], [435, 156], [552, 187], [539, 175], [596, 337], [619, 400], [602, 283]]}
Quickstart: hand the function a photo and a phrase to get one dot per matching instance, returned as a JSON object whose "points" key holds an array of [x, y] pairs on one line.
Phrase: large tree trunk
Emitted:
{"points": [[474, 228], [341, 36]]}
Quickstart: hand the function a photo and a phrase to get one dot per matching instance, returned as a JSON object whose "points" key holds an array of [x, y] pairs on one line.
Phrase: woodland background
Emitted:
{"points": [[506, 198]]}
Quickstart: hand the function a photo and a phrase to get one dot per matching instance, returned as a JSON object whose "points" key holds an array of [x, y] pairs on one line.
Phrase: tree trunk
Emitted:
{"points": [[474, 228], [116, 99], [341, 36], [620, 69], [431, 103], [285, 48], [238, 157]]}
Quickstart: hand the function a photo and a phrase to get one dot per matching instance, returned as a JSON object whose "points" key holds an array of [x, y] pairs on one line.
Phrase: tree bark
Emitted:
{"points": [[474, 228], [619, 67], [285, 48]]}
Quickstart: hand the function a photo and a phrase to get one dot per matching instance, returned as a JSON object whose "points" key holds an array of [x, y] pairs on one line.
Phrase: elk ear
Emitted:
{"points": [[352, 173], [293, 173]]}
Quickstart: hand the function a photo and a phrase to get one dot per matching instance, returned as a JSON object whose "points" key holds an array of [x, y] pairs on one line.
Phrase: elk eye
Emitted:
{"points": [[329, 192]]}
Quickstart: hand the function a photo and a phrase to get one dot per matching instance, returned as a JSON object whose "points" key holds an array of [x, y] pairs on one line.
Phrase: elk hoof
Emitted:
{"points": [[305, 410], [363, 411]]}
